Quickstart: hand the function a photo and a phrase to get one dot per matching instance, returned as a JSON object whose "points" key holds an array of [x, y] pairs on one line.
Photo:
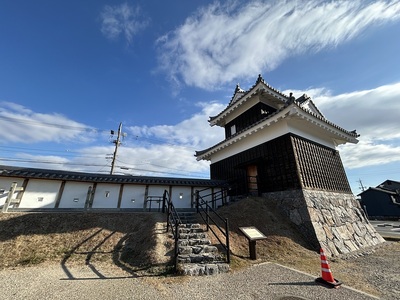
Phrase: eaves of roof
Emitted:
{"points": [[32, 173], [279, 114], [244, 94], [378, 190]]}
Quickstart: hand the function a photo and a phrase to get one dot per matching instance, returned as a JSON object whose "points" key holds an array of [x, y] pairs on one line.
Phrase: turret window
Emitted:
{"points": [[233, 129]]}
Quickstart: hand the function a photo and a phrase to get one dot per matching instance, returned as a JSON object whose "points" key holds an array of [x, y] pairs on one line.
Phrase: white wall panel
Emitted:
{"points": [[133, 196], [106, 195], [40, 193], [181, 196], [74, 195]]}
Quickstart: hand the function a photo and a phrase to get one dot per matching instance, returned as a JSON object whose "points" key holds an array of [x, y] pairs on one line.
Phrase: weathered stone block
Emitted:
{"points": [[185, 250], [197, 249], [350, 245], [211, 269]]}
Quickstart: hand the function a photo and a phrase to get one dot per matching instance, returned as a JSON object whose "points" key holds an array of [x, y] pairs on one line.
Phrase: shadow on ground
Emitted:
{"points": [[126, 240]]}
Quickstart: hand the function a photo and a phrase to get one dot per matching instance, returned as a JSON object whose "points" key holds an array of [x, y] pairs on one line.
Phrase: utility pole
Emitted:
{"points": [[362, 187], [117, 143]]}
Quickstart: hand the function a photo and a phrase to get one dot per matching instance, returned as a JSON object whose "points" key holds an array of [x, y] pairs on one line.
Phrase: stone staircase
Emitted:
{"points": [[196, 255]]}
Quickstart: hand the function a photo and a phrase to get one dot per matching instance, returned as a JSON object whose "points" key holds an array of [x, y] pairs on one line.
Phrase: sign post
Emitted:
{"points": [[253, 235]]}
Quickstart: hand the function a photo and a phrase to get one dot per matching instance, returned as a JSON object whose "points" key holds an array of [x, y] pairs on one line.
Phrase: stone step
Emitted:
{"points": [[203, 269], [190, 230], [196, 258], [190, 225], [198, 249], [194, 242], [193, 235], [187, 215], [196, 255]]}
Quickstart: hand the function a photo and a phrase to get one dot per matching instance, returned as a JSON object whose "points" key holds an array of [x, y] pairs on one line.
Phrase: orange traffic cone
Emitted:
{"points": [[327, 277]]}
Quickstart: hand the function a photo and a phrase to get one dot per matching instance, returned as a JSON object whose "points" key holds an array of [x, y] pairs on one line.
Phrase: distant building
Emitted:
{"points": [[383, 201]]}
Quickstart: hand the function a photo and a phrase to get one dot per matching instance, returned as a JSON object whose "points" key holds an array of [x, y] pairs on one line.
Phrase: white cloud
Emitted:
{"points": [[22, 125], [366, 153], [373, 113], [225, 42], [162, 150], [194, 132], [122, 20]]}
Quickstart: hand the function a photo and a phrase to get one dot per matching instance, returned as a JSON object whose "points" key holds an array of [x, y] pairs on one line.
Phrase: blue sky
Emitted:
{"points": [[70, 71]]}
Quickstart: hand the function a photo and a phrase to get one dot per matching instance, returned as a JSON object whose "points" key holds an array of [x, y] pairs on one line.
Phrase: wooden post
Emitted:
{"points": [[252, 234], [252, 249]]}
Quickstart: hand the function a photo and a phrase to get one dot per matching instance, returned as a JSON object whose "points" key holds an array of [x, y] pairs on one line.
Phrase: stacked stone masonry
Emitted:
{"points": [[196, 255], [331, 220]]}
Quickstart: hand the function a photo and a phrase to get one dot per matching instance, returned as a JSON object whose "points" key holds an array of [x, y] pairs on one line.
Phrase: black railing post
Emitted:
{"points": [[168, 211], [176, 246], [207, 219], [228, 251], [197, 201], [163, 201]]}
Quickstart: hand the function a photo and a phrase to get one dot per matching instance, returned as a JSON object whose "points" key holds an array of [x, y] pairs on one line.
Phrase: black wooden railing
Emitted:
{"points": [[210, 216], [173, 222]]}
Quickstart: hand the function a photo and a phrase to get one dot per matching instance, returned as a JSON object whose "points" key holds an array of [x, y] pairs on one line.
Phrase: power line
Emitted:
{"points": [[164, 167]]}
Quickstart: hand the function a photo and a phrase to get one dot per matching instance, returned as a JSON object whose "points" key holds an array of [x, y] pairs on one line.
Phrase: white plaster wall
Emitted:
{"points": [[181, 196], [156, 191], [101, 200], [316, 134], [254, 139], [40, 193], [74, 195], [135, 192], [5, 184]]}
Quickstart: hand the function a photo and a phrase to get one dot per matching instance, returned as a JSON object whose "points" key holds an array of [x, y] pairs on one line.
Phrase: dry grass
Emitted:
{"points": [[130, 241], [136, 242]]}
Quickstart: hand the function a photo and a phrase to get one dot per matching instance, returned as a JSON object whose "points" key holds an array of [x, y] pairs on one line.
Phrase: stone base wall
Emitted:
{"points": [[333, 221]]}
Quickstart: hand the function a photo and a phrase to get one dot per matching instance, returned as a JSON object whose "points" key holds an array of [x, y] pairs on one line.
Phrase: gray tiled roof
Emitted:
{"points": [[20, 172]]}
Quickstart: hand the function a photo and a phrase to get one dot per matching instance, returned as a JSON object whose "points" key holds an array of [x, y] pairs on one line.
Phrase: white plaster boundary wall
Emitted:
{"points": [[132, 197], [77, 195], [106, 195], [74, 195], [40, 194], [5, 184], [331, 220], [181, 196]]}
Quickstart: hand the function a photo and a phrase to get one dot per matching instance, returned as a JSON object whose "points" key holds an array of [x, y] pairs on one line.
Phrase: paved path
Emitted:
{"points": [[387, 229], [264, 281]]}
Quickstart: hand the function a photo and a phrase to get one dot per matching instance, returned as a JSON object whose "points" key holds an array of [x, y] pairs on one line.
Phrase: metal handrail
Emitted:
{"points": [[173, 221], [215, 196], [202, 206], [156, 199]]}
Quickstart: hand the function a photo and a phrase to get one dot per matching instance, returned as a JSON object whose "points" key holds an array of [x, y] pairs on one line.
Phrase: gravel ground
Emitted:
{"points": [[263, 281], [381, 269]]}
